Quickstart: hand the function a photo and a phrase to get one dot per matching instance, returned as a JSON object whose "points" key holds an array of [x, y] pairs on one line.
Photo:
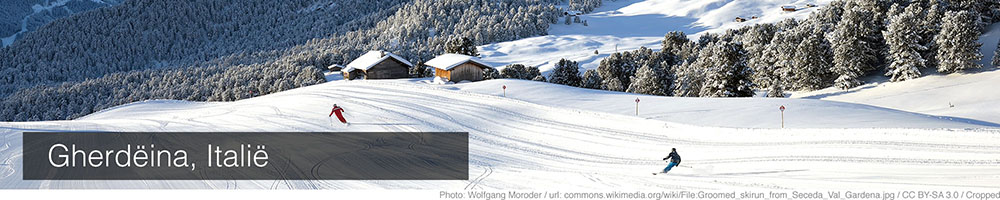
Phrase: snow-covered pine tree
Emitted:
{"points": [[766, 72], [614, 85], [929, 29], [690, 75], [585, 6], [758, 44], [903, 39], [418, 70], [880, 9], [707, 39], [828, 16], [982, 10], [591, 79], [566, 72], [812, 62], [461, 45], [957, 46], [894, 10], [490, 73], [428, 73], [532, 72], [649, 79], [539, 78], [515, 71], [776, 90], [996, 56], [853, 52], [728, 74], [777, 63], [674, 41], [611, 68]]}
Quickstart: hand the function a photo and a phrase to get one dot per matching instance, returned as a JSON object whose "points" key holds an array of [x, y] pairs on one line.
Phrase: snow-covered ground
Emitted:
{"points": [[721, 112], [970, 96], [625, 25], [527, 142]]}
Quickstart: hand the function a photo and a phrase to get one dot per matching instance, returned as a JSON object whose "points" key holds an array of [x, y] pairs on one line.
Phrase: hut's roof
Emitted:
{"points": [[335, 66], [371, 59], [448, 61]]}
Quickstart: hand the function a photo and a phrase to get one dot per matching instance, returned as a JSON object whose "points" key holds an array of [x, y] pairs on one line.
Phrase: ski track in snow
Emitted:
{"points": [[516, 144]]}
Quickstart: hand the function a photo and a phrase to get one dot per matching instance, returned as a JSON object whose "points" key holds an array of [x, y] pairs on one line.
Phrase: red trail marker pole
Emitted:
{"points": [[504, 90], [636, 106], [782, 108]]}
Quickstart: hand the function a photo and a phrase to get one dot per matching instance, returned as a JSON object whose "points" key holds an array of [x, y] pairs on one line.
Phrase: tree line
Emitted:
{"points": [[834, 47]]}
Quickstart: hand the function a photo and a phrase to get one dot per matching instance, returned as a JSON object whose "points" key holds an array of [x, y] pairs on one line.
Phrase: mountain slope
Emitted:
{"points": [[19, 17], [629, 24], [517, 144], [189, 42]]}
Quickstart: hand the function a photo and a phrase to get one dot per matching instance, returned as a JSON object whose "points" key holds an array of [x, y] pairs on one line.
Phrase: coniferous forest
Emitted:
{"points": [[225, 50], [835, 46]]}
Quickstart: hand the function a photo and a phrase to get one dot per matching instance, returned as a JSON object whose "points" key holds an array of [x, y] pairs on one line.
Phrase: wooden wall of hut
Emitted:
{"points": [[388, 69], [466, 72]]}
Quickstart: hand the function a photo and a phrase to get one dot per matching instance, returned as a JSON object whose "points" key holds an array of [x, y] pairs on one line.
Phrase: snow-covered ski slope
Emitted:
{"points": [[971, 95], [722, 112], [524, 142], [629, 24]]}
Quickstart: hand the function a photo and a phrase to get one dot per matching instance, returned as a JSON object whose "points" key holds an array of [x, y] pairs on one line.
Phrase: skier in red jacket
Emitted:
{"points": [[339, 111]]}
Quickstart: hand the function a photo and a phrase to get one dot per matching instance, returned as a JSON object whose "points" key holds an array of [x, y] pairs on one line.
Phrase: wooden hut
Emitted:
{"points": [[351, 74], [740, 19], [335, 67], [572, 13], [377, 65], [788, 8], [458, 67]]}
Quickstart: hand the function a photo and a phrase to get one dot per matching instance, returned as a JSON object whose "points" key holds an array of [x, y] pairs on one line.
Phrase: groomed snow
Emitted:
{"points": [[519, 144], [721, 112]]}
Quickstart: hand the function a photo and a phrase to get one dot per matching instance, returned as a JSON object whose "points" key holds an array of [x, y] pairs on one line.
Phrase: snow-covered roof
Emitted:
{"points": [[448, 61], [372, 58], [335, 66]]}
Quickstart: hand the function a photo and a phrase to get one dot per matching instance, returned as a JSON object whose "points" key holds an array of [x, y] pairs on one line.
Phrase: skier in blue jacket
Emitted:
{"points": [[675, 160]]}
